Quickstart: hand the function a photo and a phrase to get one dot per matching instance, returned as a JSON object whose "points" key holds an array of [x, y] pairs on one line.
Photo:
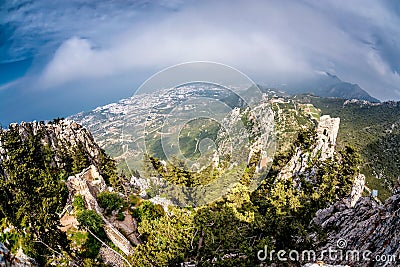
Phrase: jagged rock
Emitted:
{"points": [[323, 265], [327, 131], [88, 184], [165, 203], [366, 227], [19, 260], [236, 135], [357, 189], [128, 226], [324, 146], [143, 184], [110, 258], [62, 137], [235, 138]]}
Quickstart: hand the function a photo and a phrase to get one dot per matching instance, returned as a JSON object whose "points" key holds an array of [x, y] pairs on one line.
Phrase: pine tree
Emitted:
{"points": [[80, 159]]}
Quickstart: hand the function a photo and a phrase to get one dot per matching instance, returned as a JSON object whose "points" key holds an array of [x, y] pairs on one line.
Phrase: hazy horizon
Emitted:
{"points": [[57, 59]]}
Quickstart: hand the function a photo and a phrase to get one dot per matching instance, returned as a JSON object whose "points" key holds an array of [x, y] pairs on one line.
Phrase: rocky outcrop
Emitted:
{"points": [[62, 137], [247, 133], [128, 226], [88, 184], [323, 148], [327, 131], [143, 184], [63, 133], [357, 189], [368, 231], [264, 131], [19, 260], [110, 258]]}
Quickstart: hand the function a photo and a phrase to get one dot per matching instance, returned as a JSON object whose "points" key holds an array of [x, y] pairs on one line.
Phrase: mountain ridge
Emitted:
{"points": [[327, 85], [316, 171]]}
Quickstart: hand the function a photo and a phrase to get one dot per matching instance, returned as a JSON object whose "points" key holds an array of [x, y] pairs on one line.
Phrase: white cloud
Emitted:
{"points": [[260, 38]]}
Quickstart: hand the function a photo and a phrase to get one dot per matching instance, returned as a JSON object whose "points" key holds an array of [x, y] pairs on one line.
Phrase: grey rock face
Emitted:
{"points": [[325, 144], [88, 184], [20, 260], [327, 131], [370, 230], [62, 138], [324, 265], [357, 189]]}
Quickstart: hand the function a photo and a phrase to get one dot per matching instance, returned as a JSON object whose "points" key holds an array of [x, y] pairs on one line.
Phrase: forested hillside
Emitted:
{"points": [[311, 170], [373, 129], [226, 232], [35, 161]]}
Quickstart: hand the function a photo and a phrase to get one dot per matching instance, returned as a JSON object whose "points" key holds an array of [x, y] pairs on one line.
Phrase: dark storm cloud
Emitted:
{"points": [[84, 42]]}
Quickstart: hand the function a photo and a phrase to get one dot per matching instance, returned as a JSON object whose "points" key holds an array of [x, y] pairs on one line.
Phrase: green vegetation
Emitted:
{"points": [[277, 214], [78, 203], [372, 130], [193, 132], [226, 232], [90, 219], [134, 200], [80, 159], [108, 170], [290, 119], [78, 238], [148, 211], [167, 239], [120, 216], [110, 202], [31, 194], [178, 173], [230, 231]]}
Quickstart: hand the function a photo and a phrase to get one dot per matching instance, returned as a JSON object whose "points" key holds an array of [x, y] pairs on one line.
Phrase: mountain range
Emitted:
{"points": [[85, 208], [325, 84], [367, 126]]}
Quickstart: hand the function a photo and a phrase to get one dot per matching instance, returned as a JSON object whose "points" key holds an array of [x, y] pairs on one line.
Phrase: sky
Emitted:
{"points": [[58, 58]]}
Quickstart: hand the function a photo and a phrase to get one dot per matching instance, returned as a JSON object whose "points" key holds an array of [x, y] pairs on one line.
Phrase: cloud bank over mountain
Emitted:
{"points": [[82, 43]]}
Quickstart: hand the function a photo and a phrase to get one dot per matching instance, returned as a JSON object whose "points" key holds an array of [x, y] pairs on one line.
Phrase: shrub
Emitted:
{"points": [[134, 200], [148, 210], [78, 203], [91, 220], [110, 201], [120, 216]]}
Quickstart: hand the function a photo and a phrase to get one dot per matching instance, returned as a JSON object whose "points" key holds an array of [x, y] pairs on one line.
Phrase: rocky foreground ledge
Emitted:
{"points": [[18, 260], [369, 231]]}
